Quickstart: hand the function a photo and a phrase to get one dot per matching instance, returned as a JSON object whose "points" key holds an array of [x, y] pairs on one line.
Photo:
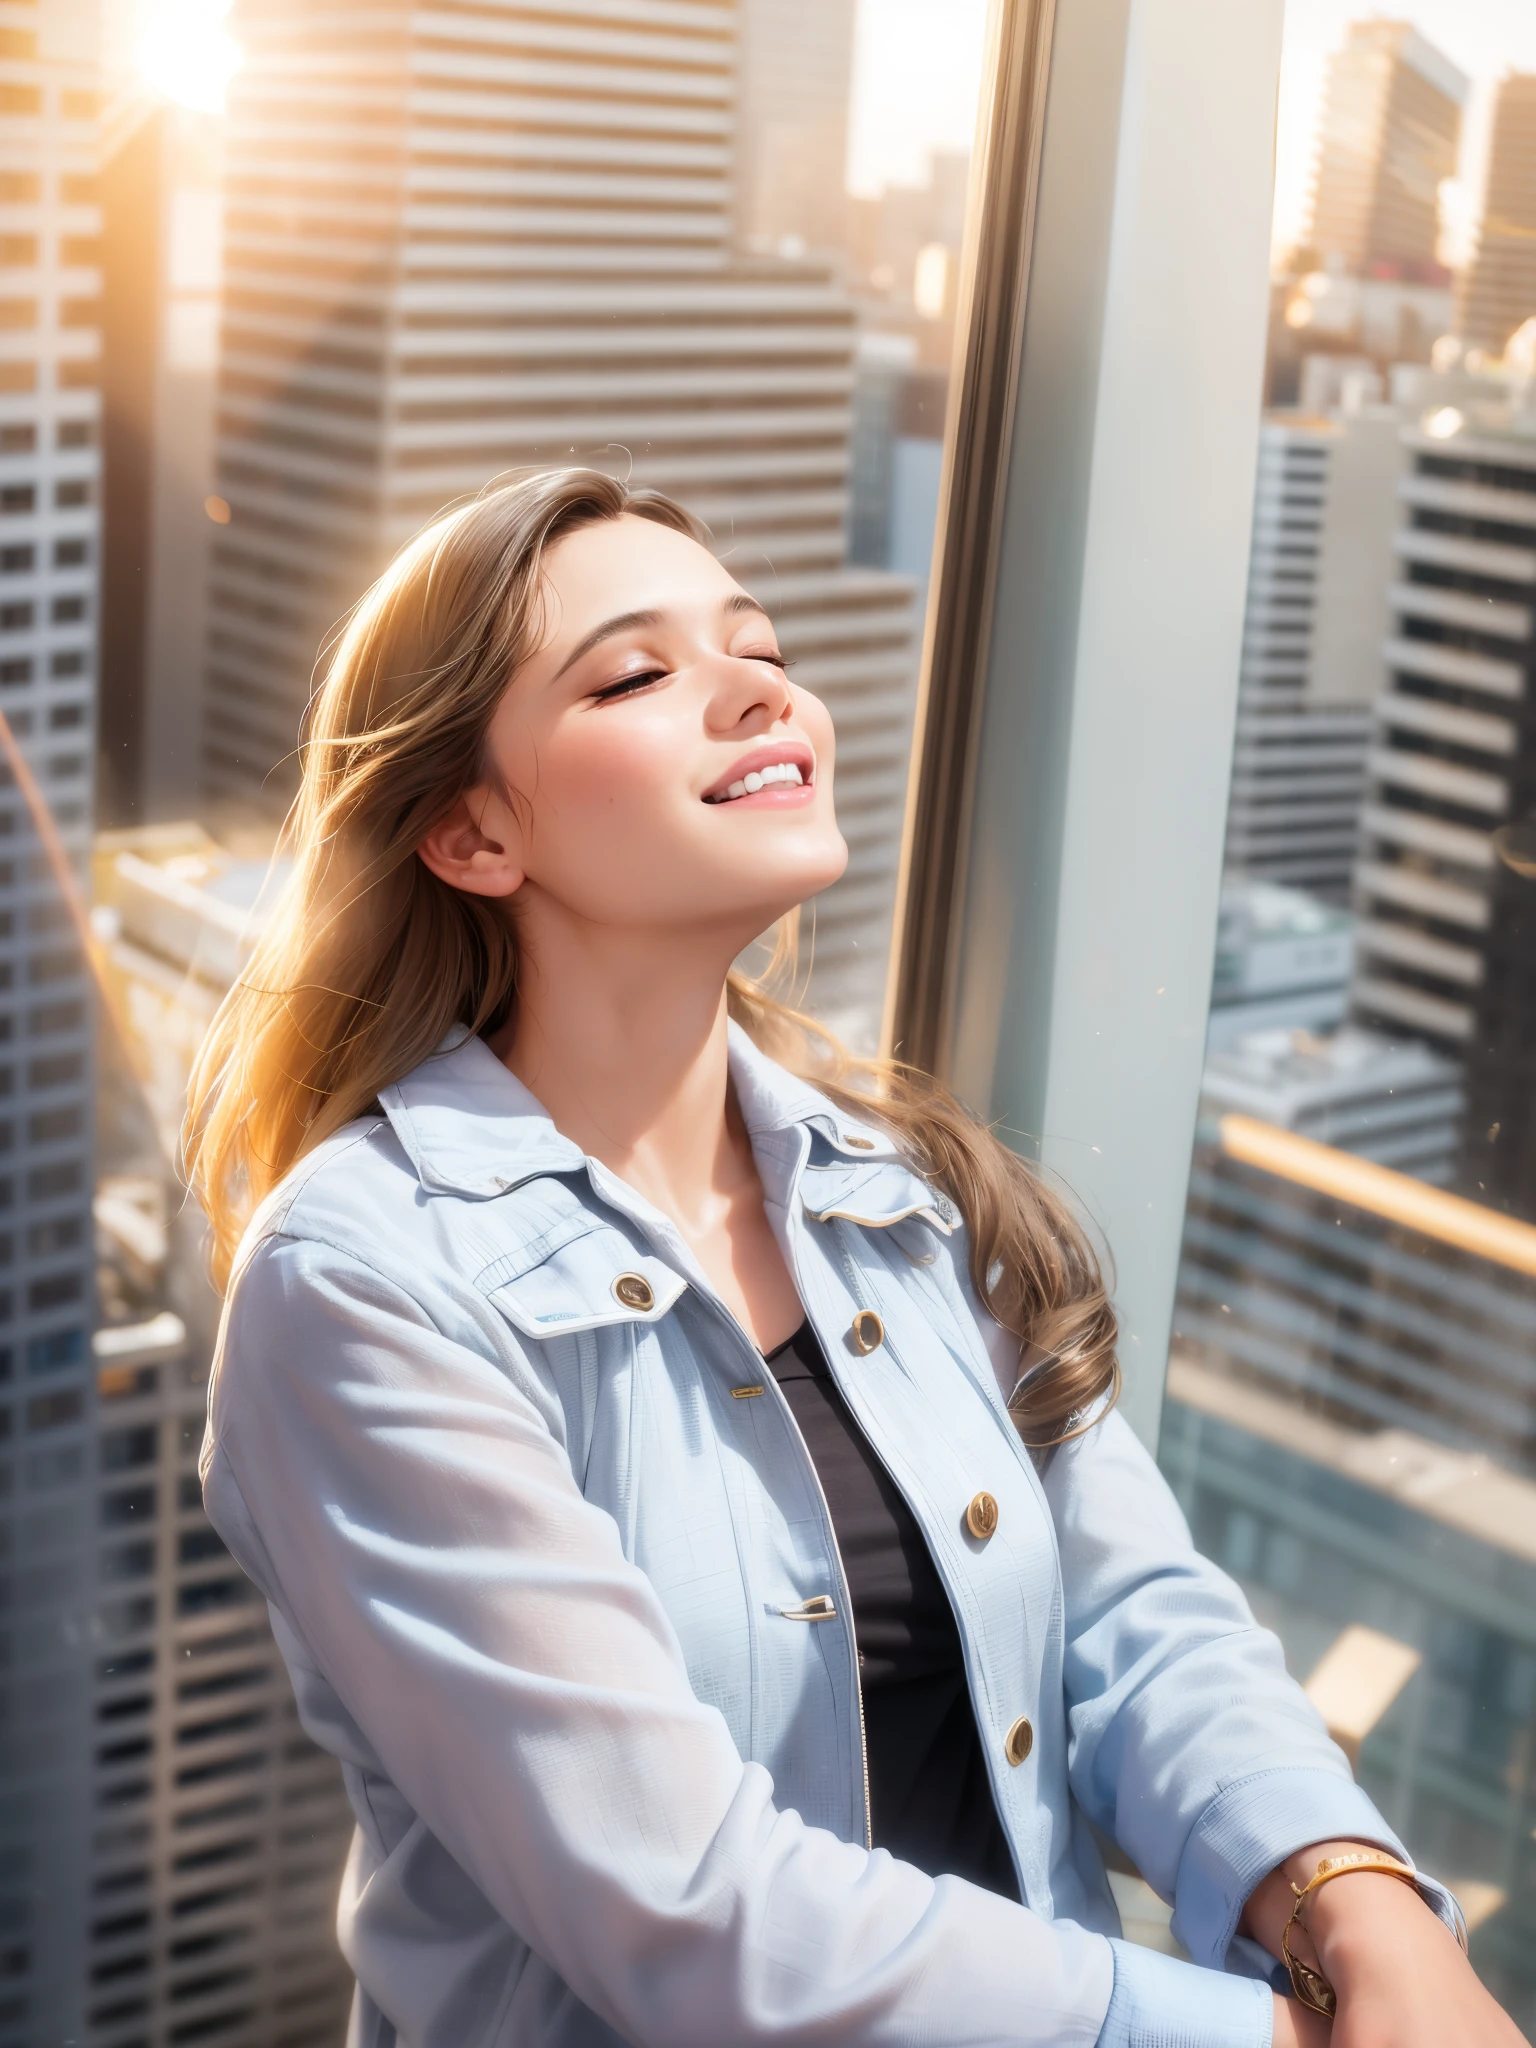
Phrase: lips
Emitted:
{"points": [[782, 765]]}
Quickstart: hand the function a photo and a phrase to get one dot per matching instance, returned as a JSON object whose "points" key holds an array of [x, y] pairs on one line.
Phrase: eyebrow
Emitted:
{"points": [[622, 622]]}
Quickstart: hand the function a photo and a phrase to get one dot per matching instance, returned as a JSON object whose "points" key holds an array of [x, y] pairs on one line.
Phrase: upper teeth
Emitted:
{"points": [[763, 778]]}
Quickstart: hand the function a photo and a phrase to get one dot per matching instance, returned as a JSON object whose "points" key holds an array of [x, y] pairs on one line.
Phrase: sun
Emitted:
{"points": [[186, 53]]}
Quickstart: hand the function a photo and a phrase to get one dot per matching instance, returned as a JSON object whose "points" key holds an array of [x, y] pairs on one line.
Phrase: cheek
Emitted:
{"points": [[598, 781]]}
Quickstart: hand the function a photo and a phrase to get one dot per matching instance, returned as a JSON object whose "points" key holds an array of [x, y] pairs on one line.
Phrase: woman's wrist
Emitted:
{"points": [[1362, 1922]]}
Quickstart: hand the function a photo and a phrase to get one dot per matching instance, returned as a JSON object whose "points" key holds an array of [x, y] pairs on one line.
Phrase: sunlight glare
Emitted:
{"points": [[187, 53]]}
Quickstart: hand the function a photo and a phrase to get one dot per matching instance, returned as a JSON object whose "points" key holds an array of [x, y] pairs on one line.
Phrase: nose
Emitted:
{"points": [[745, 695]]}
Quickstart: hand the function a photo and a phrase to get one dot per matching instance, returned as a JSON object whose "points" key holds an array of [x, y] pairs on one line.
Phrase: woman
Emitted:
{"points": [[686, 1494]]}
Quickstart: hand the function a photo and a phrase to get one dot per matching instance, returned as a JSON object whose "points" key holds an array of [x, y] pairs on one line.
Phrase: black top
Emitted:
{"points": [[930, 1800]]}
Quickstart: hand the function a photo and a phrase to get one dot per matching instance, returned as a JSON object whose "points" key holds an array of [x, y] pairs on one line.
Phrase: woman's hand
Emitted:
{"points": [[1398, 1972]]}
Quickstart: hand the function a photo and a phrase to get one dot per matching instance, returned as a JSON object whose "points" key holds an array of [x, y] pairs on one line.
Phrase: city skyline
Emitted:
{"points": [[914, 95]]}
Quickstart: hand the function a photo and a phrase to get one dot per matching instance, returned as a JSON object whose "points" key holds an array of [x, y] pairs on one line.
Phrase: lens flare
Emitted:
{"points": [[186, 53]]}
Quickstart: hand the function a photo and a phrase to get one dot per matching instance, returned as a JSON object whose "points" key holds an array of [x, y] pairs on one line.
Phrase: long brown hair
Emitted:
{"points": [[369, 959]]}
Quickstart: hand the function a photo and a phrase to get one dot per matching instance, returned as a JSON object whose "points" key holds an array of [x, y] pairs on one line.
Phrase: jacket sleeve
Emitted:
{"points": [[405, 1503], [1189, 1742]]}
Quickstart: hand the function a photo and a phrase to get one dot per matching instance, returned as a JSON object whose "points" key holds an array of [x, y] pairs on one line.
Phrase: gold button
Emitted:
{"points": [[1019, 1740], [634, 1290], [745, 1393], [858, 1144], [981, 1516], [868, 1332]]}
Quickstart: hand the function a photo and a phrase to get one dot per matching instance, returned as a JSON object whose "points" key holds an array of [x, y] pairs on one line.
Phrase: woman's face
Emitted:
{"points": [[665, 771]]}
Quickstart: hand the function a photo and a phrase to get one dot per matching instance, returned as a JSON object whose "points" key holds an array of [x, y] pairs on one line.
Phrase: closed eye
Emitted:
{"points": [[626, 686]]}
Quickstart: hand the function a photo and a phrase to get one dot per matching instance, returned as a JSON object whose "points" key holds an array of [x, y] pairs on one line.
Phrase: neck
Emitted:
{"points": [[622, 1037]]}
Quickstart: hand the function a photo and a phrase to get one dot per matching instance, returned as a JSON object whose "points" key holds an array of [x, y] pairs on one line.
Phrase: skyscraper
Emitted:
{"points": [[160, 202], [792, 124], [1325, 507], [1391, 124], [480, 239], [222, 1829], [49, 370], [1500, 290], [1446, 937]]}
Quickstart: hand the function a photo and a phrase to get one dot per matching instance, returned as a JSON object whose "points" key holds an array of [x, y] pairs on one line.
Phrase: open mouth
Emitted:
{"points": [[777, 774], [780, 766]]}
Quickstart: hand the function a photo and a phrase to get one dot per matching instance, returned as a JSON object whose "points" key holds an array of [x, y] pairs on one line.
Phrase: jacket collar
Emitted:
{"points": [[470, 1127]]}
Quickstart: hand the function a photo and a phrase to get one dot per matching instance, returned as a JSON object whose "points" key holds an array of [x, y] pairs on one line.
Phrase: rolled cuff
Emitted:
{"points": [[1253, 1826], [1160, 2003]]}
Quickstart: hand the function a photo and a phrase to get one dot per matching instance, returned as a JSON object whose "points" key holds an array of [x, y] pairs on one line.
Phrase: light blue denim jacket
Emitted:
{"points": [[538, 1548]]}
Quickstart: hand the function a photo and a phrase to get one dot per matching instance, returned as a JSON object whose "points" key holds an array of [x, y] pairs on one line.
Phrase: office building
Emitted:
{"points": [[50, 281], [160, 198], [1321, 1524], [215, 1868], [1351, 1430], [511, 244], [1445, 938], [905, 245], [795, 68], [1282, 962], [1499, 293], [898, 455], [1390, 130], [1324, 512], [1352, 1288], [1398, 1105]]}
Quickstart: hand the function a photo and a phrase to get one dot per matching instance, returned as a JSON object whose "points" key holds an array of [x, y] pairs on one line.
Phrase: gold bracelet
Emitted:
{"points": [[1309, 1984]]}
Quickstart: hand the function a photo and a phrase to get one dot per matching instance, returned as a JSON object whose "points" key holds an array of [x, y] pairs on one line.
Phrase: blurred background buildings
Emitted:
{"points": [[1351, 1407], [50, 372], [245, 352]]}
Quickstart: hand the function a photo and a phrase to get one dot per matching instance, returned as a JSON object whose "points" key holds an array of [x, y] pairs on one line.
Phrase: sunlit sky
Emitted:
{"points": [[918, 70]]}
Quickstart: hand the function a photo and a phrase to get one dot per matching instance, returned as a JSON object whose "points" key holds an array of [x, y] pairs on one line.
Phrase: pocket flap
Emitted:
{"points": [[586, 1283], [878, 1194]]}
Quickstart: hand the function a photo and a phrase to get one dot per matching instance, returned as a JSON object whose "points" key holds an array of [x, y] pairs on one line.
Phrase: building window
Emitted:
{"points": [[54, 1291], [55, 1411], [67, 611], [17, 560], [15, 670], [56, 1351], [78, 433], [73, 491], [17, 437], [69, 661], [48, 1126], [15, 618], [18, 498]]}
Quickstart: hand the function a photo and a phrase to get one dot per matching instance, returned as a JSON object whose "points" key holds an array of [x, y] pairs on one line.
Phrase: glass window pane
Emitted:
{"points": [[279, 282], [1351, 1413]]}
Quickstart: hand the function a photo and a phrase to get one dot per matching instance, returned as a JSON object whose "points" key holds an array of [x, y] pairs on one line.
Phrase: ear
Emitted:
{"points": [[476, 848]]}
